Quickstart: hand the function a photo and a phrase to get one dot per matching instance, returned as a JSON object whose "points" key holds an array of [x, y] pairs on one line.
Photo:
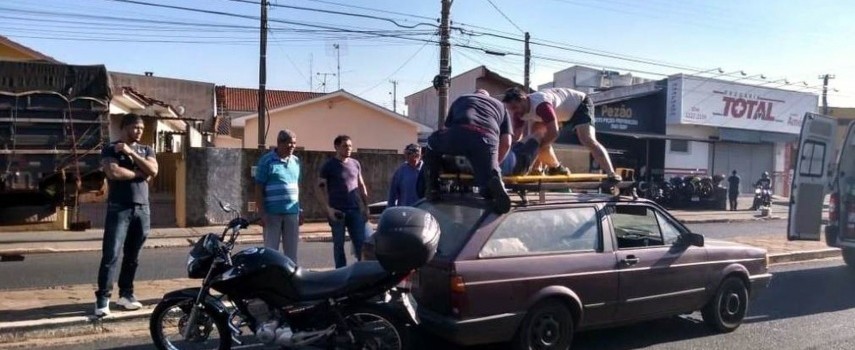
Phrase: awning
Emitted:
{"points": [[648, 136]]}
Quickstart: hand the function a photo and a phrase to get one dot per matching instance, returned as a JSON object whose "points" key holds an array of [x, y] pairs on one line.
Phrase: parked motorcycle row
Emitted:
{"points": [[259, 295], [682, 192]]}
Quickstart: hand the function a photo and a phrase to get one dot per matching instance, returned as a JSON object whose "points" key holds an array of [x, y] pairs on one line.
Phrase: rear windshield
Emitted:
{"points": [[455, 223]]}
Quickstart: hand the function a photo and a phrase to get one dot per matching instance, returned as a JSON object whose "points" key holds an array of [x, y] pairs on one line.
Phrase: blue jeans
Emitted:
{"points": [[126, 226], [355, 225]]}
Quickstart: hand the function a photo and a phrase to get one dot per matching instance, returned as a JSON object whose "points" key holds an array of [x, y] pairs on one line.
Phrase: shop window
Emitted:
{"points": [[679, 146]]}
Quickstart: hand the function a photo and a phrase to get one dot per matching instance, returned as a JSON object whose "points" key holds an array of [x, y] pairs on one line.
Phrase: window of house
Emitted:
{"points": [[636, 226], [679, 146], [545, 231]]}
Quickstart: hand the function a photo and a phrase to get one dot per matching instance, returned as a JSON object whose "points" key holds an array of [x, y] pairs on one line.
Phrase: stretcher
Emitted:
{"points": [[523, 184]]}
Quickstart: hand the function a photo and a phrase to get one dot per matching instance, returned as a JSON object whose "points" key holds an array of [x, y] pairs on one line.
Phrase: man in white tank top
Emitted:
{"points": [[541, 113]]}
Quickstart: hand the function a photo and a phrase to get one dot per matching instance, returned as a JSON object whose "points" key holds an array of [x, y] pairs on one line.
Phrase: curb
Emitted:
{"points": [[805, 255], [255, 239], [726, 221]]}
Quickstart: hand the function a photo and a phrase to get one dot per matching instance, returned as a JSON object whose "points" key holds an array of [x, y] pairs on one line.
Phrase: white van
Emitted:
{"points": [[812, 182]]}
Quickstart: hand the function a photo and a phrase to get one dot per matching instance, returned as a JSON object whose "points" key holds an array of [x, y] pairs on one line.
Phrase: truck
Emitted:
{"points": [[53, 122], [817, 175]]}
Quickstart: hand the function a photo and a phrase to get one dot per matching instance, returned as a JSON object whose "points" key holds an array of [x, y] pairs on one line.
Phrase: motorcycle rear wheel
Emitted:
{"points": [[375, 328], [169, 320]]}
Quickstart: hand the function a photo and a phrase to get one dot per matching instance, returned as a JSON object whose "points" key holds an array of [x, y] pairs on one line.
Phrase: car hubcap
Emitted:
{"points": [[731, 306], [546, 332]]}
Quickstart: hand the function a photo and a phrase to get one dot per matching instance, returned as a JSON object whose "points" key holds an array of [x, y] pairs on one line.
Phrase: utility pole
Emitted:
{"points": [[441, 81], [338, 63], [394, 95], [262, 79], [527, 71], [825, 78], [324, 82]]}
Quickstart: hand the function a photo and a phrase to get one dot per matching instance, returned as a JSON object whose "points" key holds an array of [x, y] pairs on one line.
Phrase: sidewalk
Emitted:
{"points": [[66, 309]]}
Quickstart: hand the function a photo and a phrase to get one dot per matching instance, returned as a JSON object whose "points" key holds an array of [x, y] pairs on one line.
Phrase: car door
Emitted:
{"points": [[659, 273], [810, 180], [535, 252], [844, 185]]}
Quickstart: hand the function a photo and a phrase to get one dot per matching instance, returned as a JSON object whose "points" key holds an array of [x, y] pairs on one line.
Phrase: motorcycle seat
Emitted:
{"points": [[311, 285]]}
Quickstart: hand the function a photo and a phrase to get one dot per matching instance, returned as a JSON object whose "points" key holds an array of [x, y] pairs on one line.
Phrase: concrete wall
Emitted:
{"points": [[317, 124], [226, 174]]}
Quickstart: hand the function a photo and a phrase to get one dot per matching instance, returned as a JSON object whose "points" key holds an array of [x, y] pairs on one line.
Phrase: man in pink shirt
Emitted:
{"points": [[540, 113]]}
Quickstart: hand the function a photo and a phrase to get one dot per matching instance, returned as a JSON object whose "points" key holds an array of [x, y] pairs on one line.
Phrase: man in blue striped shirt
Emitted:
{"points": [[277, 194]]}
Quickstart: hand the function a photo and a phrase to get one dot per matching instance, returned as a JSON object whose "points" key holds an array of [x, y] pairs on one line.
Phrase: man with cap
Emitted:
{"points": [[478, 127], [277, 195], [402, 191]]}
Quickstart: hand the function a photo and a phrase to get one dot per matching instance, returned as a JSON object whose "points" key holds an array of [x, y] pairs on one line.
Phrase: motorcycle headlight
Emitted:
{"points": [[756, 191]]}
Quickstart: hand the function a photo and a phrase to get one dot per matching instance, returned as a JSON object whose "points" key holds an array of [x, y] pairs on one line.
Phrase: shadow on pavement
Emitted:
{"points": [[805, 292], [56, 311]]}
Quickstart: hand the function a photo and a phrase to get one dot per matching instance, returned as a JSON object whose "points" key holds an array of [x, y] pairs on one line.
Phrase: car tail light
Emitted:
{"points": [[832, 208], [458, 294]]}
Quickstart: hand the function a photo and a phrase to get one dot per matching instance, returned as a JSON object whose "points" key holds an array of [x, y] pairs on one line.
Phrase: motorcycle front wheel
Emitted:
{"points": [[170, 319], [374, 328]]}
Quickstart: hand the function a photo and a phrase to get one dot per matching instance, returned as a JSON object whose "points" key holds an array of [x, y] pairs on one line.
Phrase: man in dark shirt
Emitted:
{"points": [[733, 189], [129, 166], [478, 127], [343, 194]]}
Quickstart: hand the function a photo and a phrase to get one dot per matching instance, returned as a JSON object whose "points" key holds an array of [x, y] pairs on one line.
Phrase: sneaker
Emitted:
{"points": [[558, 170], [102, 307], [498, 196], [129, 303]]}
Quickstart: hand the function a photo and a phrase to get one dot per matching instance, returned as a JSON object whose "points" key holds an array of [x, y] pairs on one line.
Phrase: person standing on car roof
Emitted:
{"points": [[543, 111], [478, 127]]}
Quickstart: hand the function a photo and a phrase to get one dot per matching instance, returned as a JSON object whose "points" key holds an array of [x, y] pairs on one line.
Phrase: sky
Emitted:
{"points": [[380, 41]]}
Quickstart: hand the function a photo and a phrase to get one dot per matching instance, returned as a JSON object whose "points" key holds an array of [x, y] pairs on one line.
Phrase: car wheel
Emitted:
{"points": [[727, 309], [849, 257], [547, 326]]}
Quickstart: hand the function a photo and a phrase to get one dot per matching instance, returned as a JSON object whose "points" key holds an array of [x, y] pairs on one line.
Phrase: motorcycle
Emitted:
{"points": [[762, 199], [355, 307]]}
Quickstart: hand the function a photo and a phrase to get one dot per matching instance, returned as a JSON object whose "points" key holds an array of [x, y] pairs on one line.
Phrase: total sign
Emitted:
{"points": [[720, 103]]}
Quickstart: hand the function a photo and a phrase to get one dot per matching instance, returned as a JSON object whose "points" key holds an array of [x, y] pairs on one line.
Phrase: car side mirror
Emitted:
{"points": [[690, 238]]}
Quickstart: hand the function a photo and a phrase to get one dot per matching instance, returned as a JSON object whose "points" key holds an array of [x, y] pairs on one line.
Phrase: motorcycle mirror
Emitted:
{"points": [[223, 205]]}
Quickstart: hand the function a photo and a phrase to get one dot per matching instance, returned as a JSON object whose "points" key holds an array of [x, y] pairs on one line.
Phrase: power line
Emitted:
{"points": [[343, 14], [395, 71], [506, 16]]}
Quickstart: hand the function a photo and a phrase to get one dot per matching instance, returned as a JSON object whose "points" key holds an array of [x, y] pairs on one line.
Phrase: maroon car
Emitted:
{"points": [[559, 263]]}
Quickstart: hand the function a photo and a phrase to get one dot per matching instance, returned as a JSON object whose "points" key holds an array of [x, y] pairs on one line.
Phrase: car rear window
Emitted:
{"points": [[455, 223]]}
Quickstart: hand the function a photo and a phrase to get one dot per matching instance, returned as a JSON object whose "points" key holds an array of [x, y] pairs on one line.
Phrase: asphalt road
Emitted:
{"points": [[808, 306], [44, 270]]}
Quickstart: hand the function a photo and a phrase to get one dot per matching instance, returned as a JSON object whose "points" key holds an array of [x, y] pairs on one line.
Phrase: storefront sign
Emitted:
{"points": [[712, 102], [639, 114]]}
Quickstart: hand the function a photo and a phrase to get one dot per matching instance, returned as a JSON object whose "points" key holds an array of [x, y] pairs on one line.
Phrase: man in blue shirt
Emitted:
{"points": [[402, 191], [277, 194]]}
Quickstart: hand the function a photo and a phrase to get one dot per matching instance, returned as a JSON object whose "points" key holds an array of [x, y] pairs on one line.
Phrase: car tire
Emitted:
{"points": [[547, 326], [849, 257], [728, 307]]}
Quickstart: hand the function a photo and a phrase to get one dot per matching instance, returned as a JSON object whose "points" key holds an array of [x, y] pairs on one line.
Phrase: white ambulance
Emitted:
{"points": [[813, 181]]}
